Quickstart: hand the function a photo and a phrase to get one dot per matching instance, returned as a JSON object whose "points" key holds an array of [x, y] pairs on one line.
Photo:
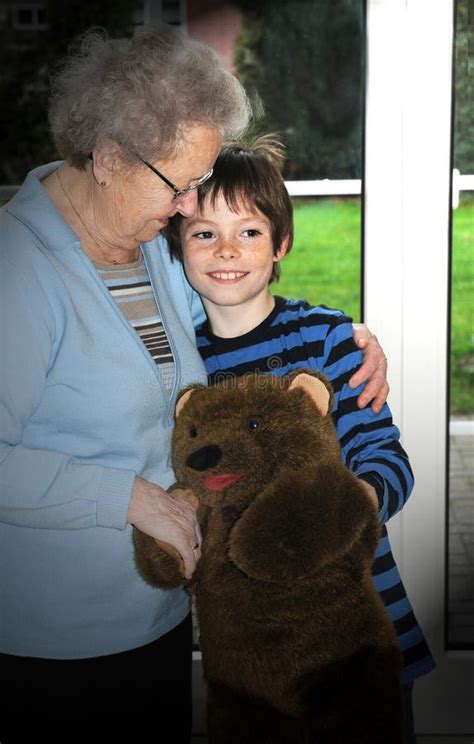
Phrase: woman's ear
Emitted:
{"points": [[106, 162], [282, 250]]}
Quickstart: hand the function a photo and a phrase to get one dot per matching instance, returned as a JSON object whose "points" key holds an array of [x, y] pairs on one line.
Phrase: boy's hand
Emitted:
{"points": [[374, 369]]}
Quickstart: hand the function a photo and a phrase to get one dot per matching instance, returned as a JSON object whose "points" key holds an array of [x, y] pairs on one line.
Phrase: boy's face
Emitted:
{"points": [[228, 256]]}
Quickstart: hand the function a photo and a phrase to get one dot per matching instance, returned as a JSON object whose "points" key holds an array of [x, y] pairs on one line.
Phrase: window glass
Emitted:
{"points": [[25, 16], [460, 626], [302, 62]]}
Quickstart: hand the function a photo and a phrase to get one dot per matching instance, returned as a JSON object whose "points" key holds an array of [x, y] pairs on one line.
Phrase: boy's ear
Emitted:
{"points": [[282, 249]]}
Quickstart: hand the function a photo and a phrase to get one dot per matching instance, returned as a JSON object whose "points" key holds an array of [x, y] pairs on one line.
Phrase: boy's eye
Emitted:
{"points": [[203, 235], [251, 233]]}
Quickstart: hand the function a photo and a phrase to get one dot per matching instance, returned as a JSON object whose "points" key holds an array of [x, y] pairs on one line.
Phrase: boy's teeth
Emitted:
{"points": [[228, 274]]}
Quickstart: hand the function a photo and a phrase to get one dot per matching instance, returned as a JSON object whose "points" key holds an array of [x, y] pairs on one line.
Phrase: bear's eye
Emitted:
{"points": [[254, 423], [193, 432]]}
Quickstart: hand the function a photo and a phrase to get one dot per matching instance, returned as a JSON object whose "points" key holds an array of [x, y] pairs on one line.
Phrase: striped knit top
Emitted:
{"points": [[295, 335], [130, 286]]}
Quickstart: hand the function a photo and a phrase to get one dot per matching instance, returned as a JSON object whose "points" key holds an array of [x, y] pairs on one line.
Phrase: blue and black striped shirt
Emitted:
{"points": [[294, 335]]}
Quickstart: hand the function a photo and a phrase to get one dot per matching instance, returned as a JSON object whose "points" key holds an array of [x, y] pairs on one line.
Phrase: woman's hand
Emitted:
{"points": [[168, 519], [374, 369]]}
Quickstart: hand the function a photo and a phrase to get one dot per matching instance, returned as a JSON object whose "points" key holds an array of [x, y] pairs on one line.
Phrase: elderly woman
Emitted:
{"points": [[99, 338]]}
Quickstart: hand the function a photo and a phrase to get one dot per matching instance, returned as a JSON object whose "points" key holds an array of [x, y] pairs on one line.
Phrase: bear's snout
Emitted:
{"points": [[204, 458]]}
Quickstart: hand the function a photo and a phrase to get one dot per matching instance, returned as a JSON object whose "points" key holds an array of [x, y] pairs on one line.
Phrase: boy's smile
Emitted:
{"points": [[228, 258], [227, 276]]}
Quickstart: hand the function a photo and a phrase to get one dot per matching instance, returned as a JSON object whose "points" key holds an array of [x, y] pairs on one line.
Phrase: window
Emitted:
{"points": [[289, 55], [460, 555], [168, 11], [305, 63], [172, 12], [30, 17]]}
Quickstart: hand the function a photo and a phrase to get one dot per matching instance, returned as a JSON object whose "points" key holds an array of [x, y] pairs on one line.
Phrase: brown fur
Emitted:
{"points": [[296, 643]]}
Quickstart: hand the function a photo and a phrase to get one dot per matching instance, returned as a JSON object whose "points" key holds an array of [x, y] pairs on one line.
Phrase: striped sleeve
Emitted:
{"points": [[370, 444]]}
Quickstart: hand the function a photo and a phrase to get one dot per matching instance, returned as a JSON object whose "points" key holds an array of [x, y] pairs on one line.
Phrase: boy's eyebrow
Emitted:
{"points": [[192, 221]]}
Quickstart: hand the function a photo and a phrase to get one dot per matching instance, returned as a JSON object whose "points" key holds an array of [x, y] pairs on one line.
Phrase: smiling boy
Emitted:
{"points": [[231, 248]]}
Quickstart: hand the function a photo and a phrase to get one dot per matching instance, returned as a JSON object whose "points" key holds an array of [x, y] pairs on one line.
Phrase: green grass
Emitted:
{"points": [[324, 267], [462, 308]]}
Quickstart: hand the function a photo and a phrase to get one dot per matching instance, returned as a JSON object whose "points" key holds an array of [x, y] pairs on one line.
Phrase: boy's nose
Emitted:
{"points": [[226, 249]]}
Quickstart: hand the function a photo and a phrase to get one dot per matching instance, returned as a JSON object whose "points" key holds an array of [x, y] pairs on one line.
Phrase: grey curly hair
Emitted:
{"points": [[140, 93]]}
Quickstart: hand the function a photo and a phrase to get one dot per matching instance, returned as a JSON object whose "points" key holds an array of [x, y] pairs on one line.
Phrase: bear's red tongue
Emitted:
{"points": [[219, 482]]}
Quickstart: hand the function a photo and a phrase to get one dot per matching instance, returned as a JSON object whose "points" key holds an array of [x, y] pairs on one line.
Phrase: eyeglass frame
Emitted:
{"points": [[177, 192]]}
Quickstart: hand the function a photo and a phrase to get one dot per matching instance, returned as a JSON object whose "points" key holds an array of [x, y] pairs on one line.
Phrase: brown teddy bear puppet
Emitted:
{"points": [[296, 643]]}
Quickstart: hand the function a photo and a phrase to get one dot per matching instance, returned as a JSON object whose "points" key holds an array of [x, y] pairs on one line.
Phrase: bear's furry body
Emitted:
{"points": [[296, 643]]}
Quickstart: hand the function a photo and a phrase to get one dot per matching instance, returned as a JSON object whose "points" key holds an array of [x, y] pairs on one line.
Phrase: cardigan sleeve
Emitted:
{"points": [[40, 487], [370, 443]]}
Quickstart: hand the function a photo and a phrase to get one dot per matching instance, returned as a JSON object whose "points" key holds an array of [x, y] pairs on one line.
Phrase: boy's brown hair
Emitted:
{"points": [[248, 172]]}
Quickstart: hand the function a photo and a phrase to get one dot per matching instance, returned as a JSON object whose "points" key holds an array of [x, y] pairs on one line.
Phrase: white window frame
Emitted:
{"points": [[407, 243]]}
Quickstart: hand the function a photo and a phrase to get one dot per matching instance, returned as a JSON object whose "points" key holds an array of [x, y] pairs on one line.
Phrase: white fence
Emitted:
{"points": [[353, 187], [326, 187]]}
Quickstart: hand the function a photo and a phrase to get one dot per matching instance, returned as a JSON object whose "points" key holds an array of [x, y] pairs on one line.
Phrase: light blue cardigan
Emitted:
{"points": [[82, 410]]}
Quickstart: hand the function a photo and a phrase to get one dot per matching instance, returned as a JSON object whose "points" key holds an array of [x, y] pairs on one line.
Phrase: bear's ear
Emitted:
{"points": [[316, 389], [184, 396]]}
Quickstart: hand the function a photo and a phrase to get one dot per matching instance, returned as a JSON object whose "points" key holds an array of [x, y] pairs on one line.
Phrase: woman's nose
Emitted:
{"points": [[187, 203]]}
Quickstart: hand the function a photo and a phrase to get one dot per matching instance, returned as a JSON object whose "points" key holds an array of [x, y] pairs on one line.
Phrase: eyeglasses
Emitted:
{"points": [[177, 192]]}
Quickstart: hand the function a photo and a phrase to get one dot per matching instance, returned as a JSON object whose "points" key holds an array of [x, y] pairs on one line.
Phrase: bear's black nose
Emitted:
{"points": [[204, 458]]}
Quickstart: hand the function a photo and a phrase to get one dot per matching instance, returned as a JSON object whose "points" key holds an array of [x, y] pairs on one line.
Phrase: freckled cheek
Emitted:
{"points": [[197, 258], [263, 258], [193, 268]]}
